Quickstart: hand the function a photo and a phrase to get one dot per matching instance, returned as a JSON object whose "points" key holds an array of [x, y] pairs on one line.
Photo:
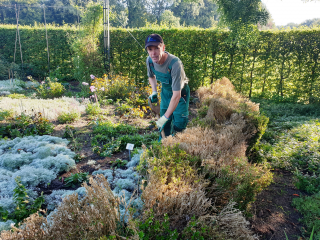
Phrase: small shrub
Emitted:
{"points": [[5, 114], [155, 229], [305, 182], [68, 117], [93, 109], [25, 125], [75, 179], [50, 89], [109, 129], [118, 163], [116, 87], [240, 181], [202, 229], [24, 206], [173, 185], [69, 132], [124, 109], [119, 144]]}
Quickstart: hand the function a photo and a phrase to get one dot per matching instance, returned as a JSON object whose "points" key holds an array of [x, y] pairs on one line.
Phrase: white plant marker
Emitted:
{"points": [[130, 148]]}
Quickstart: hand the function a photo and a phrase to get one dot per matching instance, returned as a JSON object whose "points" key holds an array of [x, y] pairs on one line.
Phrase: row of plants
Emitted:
{"points": [[110, 138], [291, 142]]}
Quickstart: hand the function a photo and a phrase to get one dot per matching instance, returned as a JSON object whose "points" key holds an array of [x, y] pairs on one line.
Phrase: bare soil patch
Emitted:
{"points": [[272, 211]]}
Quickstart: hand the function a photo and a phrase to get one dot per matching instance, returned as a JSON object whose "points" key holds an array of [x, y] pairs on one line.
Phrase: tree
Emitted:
{"points": [[167, 18], [187, 11], [157, 7], [137, 13], [270, 23], [118, 14], [244, 11]]}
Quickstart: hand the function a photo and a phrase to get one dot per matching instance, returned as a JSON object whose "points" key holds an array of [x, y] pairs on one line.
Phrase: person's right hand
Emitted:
{"points": [[154, 97]]}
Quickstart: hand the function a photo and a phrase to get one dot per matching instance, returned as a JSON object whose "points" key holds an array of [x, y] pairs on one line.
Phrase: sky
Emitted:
{"points": [[288, 11]]}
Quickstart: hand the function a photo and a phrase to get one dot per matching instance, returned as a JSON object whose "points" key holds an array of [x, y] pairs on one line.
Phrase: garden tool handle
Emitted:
{"points": [[162, 134]]}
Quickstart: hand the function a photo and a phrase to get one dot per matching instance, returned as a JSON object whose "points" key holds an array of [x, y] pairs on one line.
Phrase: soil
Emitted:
{"points": [[272, 213]]}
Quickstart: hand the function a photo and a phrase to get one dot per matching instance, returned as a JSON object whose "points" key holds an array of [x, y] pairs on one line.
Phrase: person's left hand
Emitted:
{"points": [[161, 122]]}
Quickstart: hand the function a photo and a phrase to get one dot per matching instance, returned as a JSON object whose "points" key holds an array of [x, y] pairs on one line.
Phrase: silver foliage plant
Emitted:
{"points": [[36, 160], [124, 183]]}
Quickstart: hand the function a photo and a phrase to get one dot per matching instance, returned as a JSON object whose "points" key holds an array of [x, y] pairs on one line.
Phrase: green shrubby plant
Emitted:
{"points": [[25, 125], [93, 109], [4, 114], [69, 132], [155, 229], [306, 182], [114, 87], [50, 88], [106, 145], [24, 205], [68, 117], [76, 178]]}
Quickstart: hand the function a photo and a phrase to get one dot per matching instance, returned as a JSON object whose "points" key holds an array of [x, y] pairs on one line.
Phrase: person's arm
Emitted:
{"points": [[173, 103]]}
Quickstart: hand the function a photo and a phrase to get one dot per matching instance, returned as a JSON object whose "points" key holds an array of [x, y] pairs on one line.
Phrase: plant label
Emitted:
{"points": [[129, 146]]}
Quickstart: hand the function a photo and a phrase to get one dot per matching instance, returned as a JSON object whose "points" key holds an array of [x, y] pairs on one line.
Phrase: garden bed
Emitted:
{"points": [[219, 144]]}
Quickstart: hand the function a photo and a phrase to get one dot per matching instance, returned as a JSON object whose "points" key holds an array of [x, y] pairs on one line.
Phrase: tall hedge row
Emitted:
{"points": [[280, 64], [34, 48]]}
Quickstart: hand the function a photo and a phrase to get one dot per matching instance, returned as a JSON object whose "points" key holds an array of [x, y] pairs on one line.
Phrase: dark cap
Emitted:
{"points": [[153, 40]]}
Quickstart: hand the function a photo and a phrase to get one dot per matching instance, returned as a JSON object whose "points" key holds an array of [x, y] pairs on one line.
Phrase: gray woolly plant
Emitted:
{"points": [[36, 160], [124, 184]]}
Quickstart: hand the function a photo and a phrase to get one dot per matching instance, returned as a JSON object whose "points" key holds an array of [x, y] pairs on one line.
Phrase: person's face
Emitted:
{"points": [[156, 52]]}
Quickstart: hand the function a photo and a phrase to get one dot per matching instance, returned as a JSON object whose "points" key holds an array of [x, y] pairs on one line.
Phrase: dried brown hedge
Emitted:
{"points": [[222, 146]]}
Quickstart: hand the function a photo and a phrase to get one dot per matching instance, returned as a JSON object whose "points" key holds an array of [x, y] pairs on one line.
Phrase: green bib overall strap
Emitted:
{"points": [[164, 78]]}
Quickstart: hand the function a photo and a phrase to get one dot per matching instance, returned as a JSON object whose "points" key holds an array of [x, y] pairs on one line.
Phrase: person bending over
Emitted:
{"points": [[175, 92]]}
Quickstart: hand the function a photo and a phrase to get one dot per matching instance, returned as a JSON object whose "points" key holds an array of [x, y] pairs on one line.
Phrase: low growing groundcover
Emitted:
{"points": [[291, 143]]}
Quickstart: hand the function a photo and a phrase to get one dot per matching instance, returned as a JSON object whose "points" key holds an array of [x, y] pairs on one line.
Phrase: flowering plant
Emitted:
{"points": [[50, 88]]}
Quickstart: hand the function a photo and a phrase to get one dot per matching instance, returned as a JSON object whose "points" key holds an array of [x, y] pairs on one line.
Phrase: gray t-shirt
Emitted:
{"points": [[179, 78]]}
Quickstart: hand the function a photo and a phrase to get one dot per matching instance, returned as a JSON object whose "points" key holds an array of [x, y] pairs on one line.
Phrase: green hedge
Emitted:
{"points": [[34, 48], [280, 65]]}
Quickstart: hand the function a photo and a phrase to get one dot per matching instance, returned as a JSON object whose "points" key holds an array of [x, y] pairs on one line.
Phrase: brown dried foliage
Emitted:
{"points": [[217, 148], [93, 216], [219, 145], [228, 224], [223, 146], [180, 202], [174, 189], [223, 89]]}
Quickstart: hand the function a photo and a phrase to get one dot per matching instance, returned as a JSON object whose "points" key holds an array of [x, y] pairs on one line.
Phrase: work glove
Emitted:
{"points": [[161, 122], [153, 97]]}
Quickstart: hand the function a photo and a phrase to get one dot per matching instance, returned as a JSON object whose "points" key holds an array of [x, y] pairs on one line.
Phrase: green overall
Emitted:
{"points": [[179, 119]]}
